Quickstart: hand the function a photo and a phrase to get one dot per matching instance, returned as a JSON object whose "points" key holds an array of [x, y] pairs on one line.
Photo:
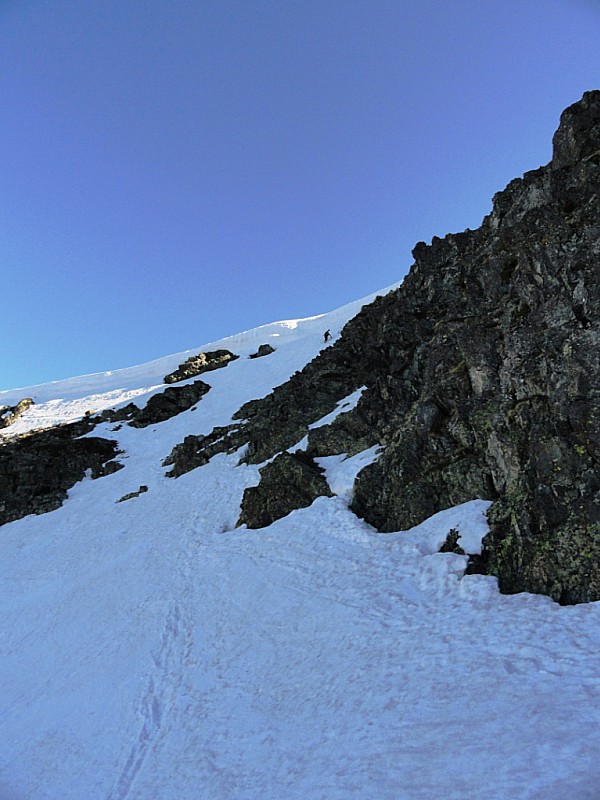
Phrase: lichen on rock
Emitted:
{"points": [[200, 363], [10, 414]]}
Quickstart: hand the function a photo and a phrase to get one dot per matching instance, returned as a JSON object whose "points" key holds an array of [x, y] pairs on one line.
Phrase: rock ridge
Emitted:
{"points": [[482, 376]]}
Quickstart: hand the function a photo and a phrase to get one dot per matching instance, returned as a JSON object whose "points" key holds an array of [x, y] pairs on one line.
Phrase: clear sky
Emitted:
{"points": [[173, 171]]}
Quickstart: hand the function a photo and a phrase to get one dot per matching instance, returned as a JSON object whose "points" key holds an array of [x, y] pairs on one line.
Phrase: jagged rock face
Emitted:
{"points": [[493, 380], [483, 380], [578, 135], [279, 421], [203, 362], [38, 469], [290, 481]]}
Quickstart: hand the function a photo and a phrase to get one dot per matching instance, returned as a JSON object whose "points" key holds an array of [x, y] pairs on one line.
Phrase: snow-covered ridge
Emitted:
{"points": [[65, 400]]}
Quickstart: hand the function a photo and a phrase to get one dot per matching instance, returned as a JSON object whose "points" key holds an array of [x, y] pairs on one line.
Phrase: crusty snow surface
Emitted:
{"points": [[152, 651]]}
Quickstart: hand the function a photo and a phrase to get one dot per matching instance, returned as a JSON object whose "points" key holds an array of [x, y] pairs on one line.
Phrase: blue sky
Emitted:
{"points": [[173, 171]]}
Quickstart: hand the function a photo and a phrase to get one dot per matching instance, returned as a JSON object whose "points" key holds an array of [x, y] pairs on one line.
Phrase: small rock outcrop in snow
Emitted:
{"points": [[451, 544], [197, 365], [169, 403], [131, 495], [263, 350], [289, 482], [10, 414]]}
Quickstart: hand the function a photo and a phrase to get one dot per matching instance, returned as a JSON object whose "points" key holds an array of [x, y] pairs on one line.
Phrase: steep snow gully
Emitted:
{"points": [[151, 649]]}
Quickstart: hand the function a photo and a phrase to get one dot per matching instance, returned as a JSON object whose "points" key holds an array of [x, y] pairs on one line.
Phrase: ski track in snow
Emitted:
{"points": [[152, 651], [159, 700]]}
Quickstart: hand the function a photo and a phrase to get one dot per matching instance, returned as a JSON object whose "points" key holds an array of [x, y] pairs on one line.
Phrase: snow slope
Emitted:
{"points": [[152, 651]]}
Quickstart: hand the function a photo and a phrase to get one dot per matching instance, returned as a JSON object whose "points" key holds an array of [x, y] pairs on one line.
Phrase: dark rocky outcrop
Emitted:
{"points": [[289, 482], [349, 433], [169, 403], [493, 384], [195, 451], [279, 421], [38, 469], [10, 414], [578, 135], [198, 364], [263, 350], [160, 407], [483, 380]]}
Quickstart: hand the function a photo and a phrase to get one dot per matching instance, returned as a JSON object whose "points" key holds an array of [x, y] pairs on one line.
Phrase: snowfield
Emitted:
{"points": [[150, 650]]}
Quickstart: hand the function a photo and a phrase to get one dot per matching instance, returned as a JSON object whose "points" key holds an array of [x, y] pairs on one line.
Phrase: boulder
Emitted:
{"points": [[289, 482], [263, 350]]}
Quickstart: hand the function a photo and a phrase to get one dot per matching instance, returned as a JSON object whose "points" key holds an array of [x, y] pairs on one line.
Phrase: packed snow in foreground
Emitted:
{"points": [[151, 650]]}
